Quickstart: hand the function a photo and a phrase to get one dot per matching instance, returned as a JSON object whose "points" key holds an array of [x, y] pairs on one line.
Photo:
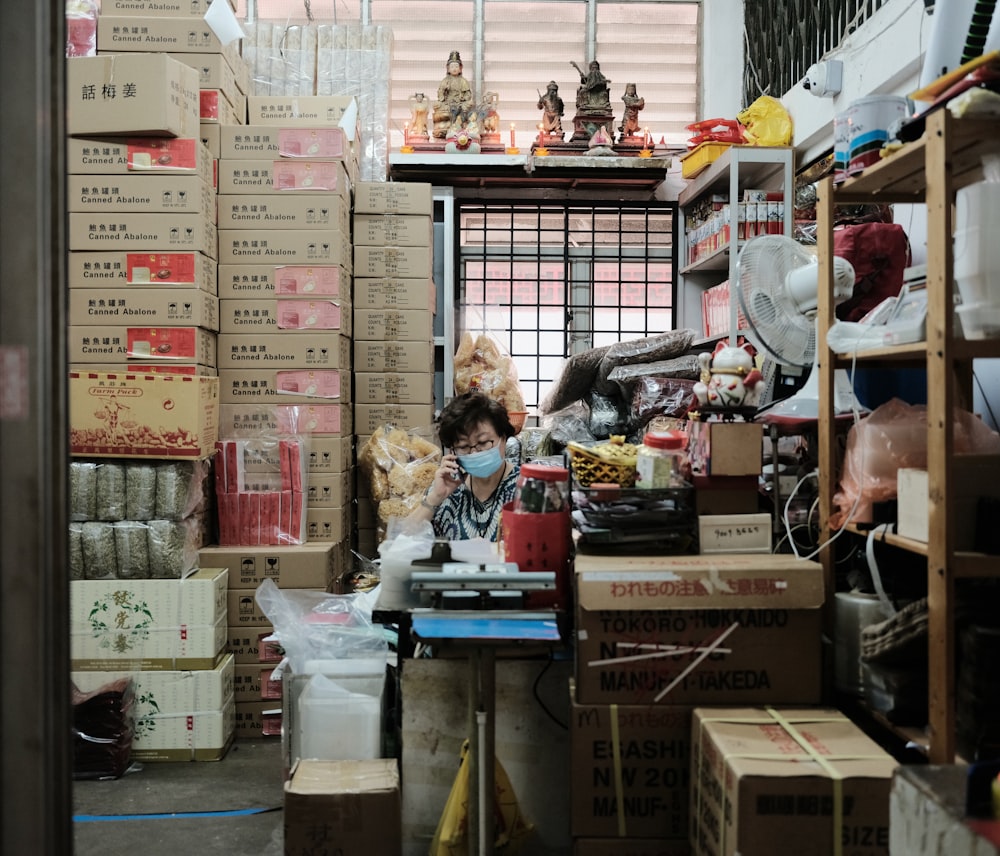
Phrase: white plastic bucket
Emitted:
{"points": [[869, 121], [341, 719]]}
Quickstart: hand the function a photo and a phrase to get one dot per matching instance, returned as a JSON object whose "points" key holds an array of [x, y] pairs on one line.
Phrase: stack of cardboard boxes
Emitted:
{"points": [[661, 641], [144, 402], [394, 306]]}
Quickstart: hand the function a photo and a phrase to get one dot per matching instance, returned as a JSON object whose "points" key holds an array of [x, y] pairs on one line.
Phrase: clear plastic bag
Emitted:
{"points": [[481, 366]]}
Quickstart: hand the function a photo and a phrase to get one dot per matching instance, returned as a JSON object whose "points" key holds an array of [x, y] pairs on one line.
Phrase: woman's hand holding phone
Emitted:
{"points": [[448, 477]]}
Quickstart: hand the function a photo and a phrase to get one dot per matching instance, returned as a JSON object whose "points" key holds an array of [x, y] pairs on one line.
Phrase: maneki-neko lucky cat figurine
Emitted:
{"points": [[728, 378]]}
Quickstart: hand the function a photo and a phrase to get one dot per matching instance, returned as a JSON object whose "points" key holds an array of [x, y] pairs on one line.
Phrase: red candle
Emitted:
{"points": [[512, 135]]}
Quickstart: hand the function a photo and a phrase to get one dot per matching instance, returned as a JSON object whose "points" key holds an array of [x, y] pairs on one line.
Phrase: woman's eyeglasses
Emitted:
{"points": [[482, 446]]}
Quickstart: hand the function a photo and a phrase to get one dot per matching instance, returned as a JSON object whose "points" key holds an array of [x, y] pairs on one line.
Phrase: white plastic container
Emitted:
{"points": [[658, 460], [341, 719]]}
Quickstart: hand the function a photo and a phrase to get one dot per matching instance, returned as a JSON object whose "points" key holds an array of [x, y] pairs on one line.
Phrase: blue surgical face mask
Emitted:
{"points": [[482, 464]]}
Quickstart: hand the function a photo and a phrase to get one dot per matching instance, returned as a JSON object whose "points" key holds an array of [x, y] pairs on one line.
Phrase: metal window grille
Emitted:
{"points": [[549, 279], [784, 37]]}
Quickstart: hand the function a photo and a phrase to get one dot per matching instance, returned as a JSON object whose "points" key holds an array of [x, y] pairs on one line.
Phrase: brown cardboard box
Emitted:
{"points": [[157, 8], [391, 293], [306, 566], [357, 802], [368, 418], [157, 193], [284, 211], [726, 448], [140, 156], [149, 233], [330, 490], [216, 107], [395, 262], [394, 388], [256, 719], [243, 610], [320, 143], [368, 541], [121, 34], [393, 197], [247, 645], [121, 345], [144, 367], [215, 72], [255, 682], [120, 270], [292, 246], [248, 282], [327, 524], [807, 780], [394, 230], [146, 94], [149, 624], [292, 175], [286, 385], [143, 416], [330, 455], [393, 356], [286, 317], [250, 350], [647, 749], [157, 307], [746, 629], [249, 142], [297, 110], [395, 325], [209, 134], [325, 420], [245, 176], [629, 847]]}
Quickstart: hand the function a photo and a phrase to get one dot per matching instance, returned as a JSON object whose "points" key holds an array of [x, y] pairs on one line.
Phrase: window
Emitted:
{"points": [[550, 279]]}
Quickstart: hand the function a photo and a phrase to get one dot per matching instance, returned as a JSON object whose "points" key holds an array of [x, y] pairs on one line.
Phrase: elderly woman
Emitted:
{"points": [[475, 479]]}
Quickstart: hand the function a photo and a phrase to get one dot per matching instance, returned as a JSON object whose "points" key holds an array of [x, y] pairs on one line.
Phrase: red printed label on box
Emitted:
{"points": [[171, 343], [309, 175], [309, 418], [312, 143], [163, 153], [160, 268], [307, 280], [320, 384], [308, 315]]}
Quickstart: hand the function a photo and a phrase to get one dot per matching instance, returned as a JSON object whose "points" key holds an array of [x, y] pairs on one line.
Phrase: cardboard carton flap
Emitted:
{"points": [[326, 777], [725, 581]]}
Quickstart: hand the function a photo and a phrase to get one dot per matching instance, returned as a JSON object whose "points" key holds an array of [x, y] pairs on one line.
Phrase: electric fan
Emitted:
{"points": [[777, 288]]}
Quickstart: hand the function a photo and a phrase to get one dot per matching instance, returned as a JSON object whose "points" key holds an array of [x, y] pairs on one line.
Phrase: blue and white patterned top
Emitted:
{"points": [[462, 516]]}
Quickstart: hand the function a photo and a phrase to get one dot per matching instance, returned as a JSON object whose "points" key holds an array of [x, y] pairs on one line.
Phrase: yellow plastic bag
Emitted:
{"points": [[509, 828], [766, 123]]}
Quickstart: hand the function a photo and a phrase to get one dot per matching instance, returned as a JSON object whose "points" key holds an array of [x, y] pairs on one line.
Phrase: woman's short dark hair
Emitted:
{"points": [[467, 411]]}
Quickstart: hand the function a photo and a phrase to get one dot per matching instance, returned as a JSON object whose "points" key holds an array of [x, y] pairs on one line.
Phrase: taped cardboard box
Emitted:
{"points": [[143, 625], [397, 325], [145, 194], [139, 269], [316, 351], [300, 110], [125, 415], [629, 772], [717, 629], [126, 347], [382, 356], [143, 94], [393, 262], [122, 34], [140, 156], [333, 491], [179, 715], [258, 719], [805, 777], [215, 72], [394, 387], [316, 420], [284, 211], [287, 385], [164, 232], [368, 418], [394, 197], [265, 281], [390, 293], [306, 566], [248, 644], [394, 230], [255, 682], [287, 317], [291, 246], [357, 801], [157, 307], [158, 8]]}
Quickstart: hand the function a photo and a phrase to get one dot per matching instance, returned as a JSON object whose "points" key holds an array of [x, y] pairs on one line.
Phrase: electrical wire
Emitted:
{"points": [[538, 698], [986, 401]]}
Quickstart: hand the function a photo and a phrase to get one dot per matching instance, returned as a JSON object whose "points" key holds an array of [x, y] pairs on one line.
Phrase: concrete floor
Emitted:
{"points": [[205, 804]]}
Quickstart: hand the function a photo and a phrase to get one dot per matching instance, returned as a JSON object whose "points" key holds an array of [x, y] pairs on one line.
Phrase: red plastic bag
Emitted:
{"points": [[879, 252]]}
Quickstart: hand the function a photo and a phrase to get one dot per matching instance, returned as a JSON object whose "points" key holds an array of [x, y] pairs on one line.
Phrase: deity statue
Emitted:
{"points": [[454, 97], [592, 95], [489, 117], [552, 109], [419, 105], [630, 119]]}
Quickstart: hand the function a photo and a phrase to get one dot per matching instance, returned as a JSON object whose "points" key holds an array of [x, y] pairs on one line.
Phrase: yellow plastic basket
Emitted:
{"points": [[700, 158], [589, 468]]}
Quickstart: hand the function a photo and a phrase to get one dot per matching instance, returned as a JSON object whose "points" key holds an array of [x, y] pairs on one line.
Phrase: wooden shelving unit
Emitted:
{"points": [[946, 158]]}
